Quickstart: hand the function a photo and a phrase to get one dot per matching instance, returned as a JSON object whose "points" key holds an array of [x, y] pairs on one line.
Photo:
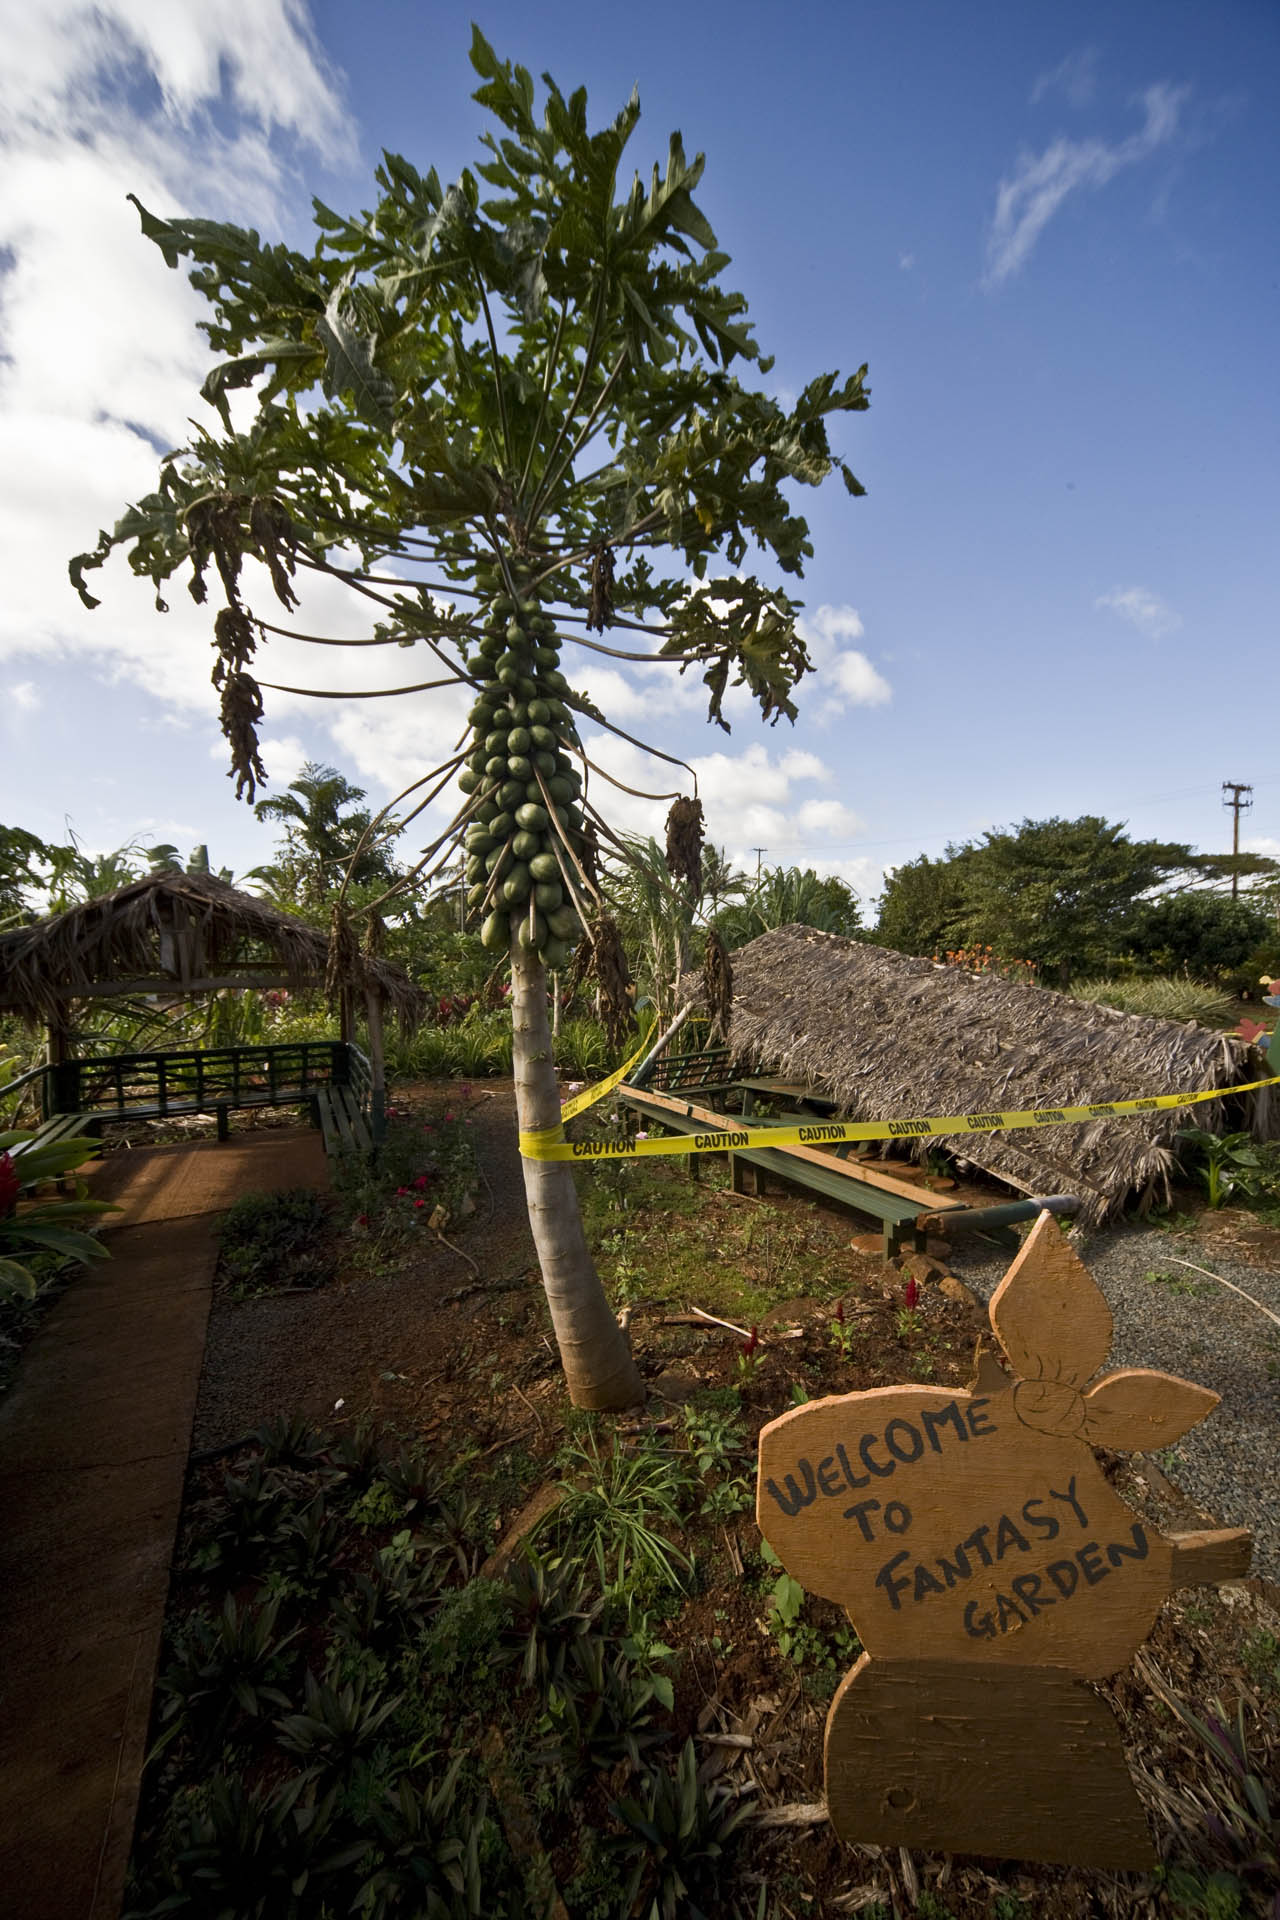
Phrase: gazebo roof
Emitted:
{"points": [[177, 933]]}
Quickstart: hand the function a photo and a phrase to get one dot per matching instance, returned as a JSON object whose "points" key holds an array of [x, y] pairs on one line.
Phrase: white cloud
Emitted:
{"points": [[844, 675], [194, 110], [1076, 78], [856, 682], [906, 261], [1027, 201], [26, 696], [1142, 609]]}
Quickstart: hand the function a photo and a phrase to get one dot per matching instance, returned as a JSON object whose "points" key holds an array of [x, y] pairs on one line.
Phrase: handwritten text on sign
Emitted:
{"points": [[947, 1526]]}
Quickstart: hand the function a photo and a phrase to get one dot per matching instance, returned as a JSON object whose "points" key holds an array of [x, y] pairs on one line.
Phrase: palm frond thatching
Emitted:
{"points": [[174, 931], [890, 1037]]}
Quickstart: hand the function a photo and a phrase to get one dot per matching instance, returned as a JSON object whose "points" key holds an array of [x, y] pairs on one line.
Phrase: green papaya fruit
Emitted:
{"points": [[545, 866], [495, 933], [531, 817]]}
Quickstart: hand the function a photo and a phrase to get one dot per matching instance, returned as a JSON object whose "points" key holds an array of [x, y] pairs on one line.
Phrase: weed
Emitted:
{"points": [[1261, 1657], [611, 1510], [1179, 1283]]}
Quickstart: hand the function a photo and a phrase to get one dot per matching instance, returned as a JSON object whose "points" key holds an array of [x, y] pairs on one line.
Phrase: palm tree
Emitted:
{"points": [[322, 843]]}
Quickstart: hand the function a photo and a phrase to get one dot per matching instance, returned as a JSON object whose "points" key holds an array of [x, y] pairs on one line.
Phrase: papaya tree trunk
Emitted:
{"points": [[594, 1350]]}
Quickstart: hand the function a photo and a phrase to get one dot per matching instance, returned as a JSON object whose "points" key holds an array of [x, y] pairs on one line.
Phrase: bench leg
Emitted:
{"points": [[224, 1120], [743, 1177]]}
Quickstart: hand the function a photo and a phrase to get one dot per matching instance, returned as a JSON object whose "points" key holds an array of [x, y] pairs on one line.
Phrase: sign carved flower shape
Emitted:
{"points": [[990, 1569]]}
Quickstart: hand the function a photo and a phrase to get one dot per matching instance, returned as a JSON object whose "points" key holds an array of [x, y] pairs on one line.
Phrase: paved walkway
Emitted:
{"points": [[94, 1439]]}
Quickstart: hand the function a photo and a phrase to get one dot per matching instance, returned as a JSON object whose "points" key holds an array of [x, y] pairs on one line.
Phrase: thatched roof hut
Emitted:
{"points": [[887, 1036], [176, 934]]}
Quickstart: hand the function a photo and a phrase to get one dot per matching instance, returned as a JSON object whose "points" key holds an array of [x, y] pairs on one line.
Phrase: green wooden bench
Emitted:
{"points": [[894, 1203], [343, 1125]]}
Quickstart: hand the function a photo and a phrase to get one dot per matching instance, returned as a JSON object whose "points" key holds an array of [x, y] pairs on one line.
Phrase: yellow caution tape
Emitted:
{"points": [[550, 1144], [531, 1144]]}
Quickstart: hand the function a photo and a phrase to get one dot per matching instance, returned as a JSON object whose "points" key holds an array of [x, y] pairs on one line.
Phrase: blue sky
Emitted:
{"points": [[1049, 230]]}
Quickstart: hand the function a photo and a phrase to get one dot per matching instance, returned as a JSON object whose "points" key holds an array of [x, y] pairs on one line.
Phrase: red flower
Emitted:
{"points": [[362, 1219], [419, 1203], [10, 1185], [912, 1294], [752, 1342], [422, 1183], [840, 1311], [401, 1191]]}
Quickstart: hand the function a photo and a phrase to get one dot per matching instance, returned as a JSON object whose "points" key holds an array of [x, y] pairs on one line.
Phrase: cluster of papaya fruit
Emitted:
{"points": [[526, 829]]}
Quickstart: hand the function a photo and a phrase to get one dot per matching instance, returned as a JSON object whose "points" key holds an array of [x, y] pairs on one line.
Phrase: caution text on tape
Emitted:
{"points": [[550, 1144]]}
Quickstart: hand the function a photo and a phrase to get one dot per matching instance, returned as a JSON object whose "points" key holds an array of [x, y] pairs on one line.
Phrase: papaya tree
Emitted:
{"points": [[509, 414]]}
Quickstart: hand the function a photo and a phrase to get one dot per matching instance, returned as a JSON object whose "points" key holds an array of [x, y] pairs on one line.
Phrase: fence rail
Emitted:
{"points": [[217, 1080]]}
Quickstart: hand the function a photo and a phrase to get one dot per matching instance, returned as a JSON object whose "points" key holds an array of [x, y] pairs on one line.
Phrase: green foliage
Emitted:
{"points": [[267, 1241], [1232, 1822], [618, 1500], [681, 1834], [1060, 893], [1171, 997], [21, 853], [1228, 1163], [323, 844], [783, 896], [39, 1237], [1200, 933]]}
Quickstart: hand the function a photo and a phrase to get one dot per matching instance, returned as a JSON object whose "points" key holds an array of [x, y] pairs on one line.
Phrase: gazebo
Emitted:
{"points": [[174, 935]]}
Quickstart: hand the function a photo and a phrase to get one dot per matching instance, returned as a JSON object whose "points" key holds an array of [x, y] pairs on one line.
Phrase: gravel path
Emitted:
{"points": [[1187, 1324]]}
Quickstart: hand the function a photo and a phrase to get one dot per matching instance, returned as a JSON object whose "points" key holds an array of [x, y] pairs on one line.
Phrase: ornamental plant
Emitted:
{"points": [[509, 414], [41, 1228]]}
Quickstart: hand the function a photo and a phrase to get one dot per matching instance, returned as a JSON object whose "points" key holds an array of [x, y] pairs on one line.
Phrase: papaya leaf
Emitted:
{"points": [[349, 367], [1140, 1409], [1048, 1314]]}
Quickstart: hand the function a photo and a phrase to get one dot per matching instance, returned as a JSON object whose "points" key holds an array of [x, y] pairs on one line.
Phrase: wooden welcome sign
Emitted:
{"points": [[990, 1571]]}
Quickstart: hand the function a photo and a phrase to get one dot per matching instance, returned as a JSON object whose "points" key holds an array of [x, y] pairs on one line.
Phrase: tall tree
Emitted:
{"points": [[21, 854], [1061, 893], [522, 388], [327, 837]]}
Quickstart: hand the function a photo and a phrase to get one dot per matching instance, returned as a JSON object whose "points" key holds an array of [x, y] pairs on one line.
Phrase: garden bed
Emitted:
{"points": [[440, 1644]]}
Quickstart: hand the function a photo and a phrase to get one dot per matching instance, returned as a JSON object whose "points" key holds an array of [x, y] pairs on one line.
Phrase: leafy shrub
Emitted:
{"points": [[267, 1241], [41, 1230], [679, 1833], [1163, 997]]}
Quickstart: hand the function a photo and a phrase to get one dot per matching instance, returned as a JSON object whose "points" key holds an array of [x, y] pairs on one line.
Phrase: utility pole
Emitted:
{"points": [[1236, 788], [759, 853]]}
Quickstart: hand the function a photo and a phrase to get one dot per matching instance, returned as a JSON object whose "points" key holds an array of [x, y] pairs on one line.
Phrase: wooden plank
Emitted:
{"points": [[989, 1568], [934, 1748], [708, 1118], [1210, 1557], [827, 1176]]}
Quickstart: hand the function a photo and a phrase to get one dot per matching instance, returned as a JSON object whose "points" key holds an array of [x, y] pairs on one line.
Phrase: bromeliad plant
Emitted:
{"points": [[41, 1227], [507, 414]]}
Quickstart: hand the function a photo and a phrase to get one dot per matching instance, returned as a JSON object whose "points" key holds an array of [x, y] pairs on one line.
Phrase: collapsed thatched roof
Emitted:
{"points": [[891, 1037], [179, 933]]}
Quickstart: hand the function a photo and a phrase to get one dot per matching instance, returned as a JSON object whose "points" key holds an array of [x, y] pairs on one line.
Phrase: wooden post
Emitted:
{"points": [[377, 1062], [990, 1571]]}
